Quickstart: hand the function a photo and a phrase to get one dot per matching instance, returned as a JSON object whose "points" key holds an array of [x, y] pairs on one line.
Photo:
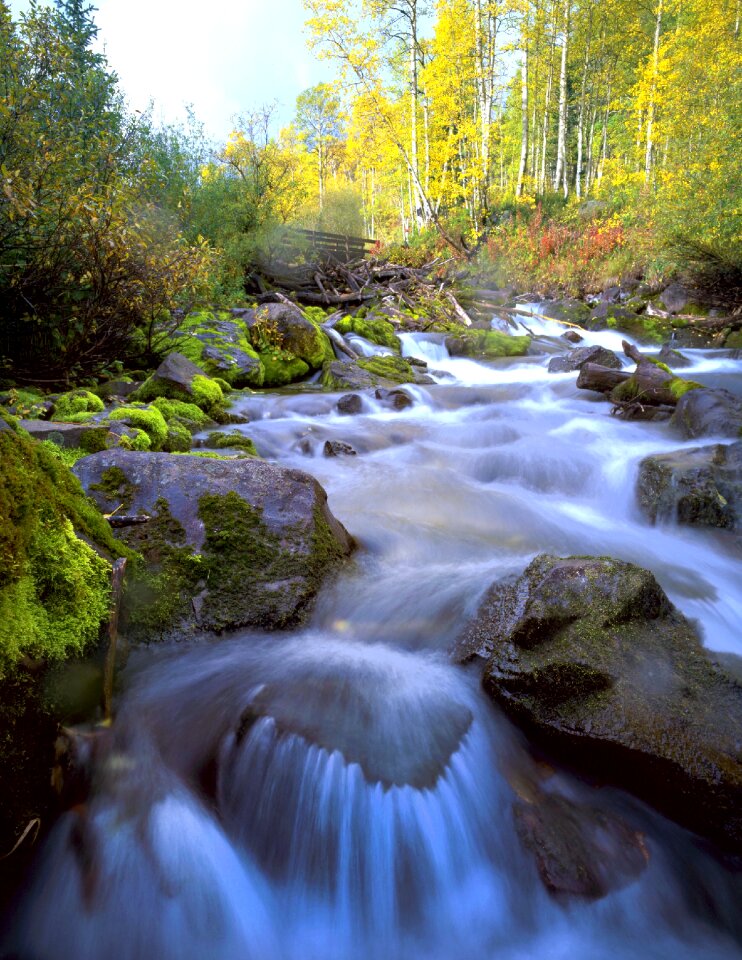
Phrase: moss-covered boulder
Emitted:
{"points": [[283, 327], [375, 329], [567, 311], [177, 378], [701, 486], [54, 597], [487, 344], [230, 542], [610, 314], [589, 655], [66, 405], [234, 440], [219, 343], [280, 368], [368, 372]]}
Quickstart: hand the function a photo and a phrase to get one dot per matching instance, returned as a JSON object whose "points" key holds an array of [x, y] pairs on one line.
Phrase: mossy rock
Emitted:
{"points": [[282, 368], [54, 597], [592, 659], [283, 328], [487, 344], [219, 343], [68, 405], [231, 441], [733, 340], [177, 378], [645, 329], [148, 419], [231, 542], [374, 329]]}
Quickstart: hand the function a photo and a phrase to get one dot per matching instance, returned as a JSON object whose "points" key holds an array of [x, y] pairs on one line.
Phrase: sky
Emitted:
{"points": [[221, 56]]}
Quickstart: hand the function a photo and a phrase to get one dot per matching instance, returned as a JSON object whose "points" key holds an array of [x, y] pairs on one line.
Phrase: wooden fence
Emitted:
{"points": [[323, 247]]}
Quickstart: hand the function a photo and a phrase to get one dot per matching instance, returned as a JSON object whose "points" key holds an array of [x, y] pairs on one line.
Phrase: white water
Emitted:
{"points": [[345, 792]]}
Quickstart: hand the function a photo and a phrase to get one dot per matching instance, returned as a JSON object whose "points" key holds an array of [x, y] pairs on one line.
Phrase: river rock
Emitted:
{"points": [[704, 413], [283, 325], [674, 298], [572, 336], [592, 659], [673, 358], [396, 399], [350, 403], [580, 851], [568, 311], [607, 314], [230, 543], [578, 358], [338, 448], [701, 486]]}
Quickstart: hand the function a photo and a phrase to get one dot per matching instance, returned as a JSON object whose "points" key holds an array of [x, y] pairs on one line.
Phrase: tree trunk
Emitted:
{"points": [[652, 92], [524, 123], [581, 116], [562, 135]]}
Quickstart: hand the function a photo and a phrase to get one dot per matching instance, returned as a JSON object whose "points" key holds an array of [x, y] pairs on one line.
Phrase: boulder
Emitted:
{"points": [[708, 413], [694, 338], [609, 314], [396, 399], [229, 543], [672, 357], [486, 344], [284, 327], [591, 658], [338, 448], [567, 311], [580, 850], [219, 342], [178, 378], [572, 336], [375, 329], [350, 403], [367, 372], [701, 486], [674, 298], [578, 358]]}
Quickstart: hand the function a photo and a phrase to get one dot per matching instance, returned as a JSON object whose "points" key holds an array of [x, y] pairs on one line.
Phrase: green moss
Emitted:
{"points": [[26, 402], [376, 330], [679, 387], [234, 440], [68, 455], [394, 369], [66, 405], [207, 393], [114, 485], [488, 344], [281, 368], [187, 413], [245, 561], [54, 586], [140, 441], [659, 363], [178, 438], [226, 387], [204, 392], [150, 420], [228, 336], [85, 416]]}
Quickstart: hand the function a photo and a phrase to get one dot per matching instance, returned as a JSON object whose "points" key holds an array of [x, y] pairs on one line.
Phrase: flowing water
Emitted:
{"points": [[345, 792]]}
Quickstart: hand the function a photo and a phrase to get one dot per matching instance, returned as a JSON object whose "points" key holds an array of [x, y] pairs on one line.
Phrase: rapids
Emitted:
{"points": [[345, 792]]}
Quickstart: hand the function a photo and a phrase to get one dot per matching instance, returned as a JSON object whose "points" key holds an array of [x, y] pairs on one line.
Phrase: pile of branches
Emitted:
{"points": [[334, 283]]}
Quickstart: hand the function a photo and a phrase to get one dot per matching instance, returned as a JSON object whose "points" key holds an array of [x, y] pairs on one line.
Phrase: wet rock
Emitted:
{"points": [[580, 851], [117, 388], [609, 314], [578, 358], [486, 344], [253, 540], [572, 336], [396, 399], [692, 338], [417, 362], [611, 295], [701, 486], [674, 298], [284, 325], [672, 358], [338, 448], [592, 659], [569, 311], [90, 437], [708, 413], [178, 378], [368, 372], [350, 403]]}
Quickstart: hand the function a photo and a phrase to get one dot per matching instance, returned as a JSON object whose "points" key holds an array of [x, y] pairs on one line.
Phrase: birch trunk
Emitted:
{"points": [[560, 172], [652, 93]]}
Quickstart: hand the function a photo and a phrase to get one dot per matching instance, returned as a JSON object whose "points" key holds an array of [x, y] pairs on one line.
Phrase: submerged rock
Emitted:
{"points": [[229, 543], [350, 403], [578, 358], [396, 399], [704, 413], [338, 448], [580, 850], [701, 486], [590, 656]]}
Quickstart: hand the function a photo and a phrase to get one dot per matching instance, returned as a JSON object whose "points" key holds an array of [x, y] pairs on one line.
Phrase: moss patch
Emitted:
{"points": [[219, 344], [487, 344], [282, 368], [376, 330], [389, 368], [150, 420], [67, 405], [238, 441]]}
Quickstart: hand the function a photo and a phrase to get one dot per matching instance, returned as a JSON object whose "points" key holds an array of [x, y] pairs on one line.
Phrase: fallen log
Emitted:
{"points": [[600, 379]]}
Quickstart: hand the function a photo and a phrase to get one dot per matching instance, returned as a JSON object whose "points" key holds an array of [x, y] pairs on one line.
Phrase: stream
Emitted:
{"points": [[344, 791]]}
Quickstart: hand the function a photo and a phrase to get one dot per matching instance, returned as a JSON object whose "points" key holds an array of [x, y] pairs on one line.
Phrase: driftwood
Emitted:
{"points": [[592, 376]]}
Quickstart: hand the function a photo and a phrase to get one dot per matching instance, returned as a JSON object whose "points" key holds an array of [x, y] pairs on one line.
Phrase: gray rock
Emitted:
{"points": [[117, 388], [175, 374], [578, 358], [350, 403], [68, 435], [708, 413], [338, 448], [611, 295], [572, 336], [571, 311], [590, 656], [701, 486], [253, 541], [692, 338], [672, 358], [603, 312], [674, 298]]}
